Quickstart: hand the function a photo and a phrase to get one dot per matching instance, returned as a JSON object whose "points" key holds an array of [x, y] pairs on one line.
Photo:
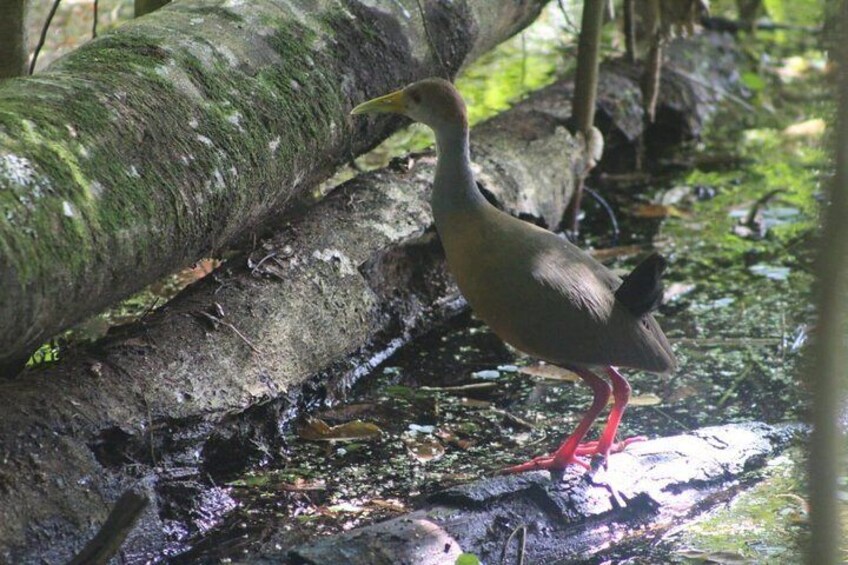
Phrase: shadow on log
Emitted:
{"points": [[647, 489]]}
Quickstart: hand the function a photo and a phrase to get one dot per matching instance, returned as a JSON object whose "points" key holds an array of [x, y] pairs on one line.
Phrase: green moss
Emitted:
{"points": [[764, 525]]}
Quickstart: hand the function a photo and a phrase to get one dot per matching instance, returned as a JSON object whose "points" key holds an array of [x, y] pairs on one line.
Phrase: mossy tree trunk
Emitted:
{"points": [[143, 7], [13, 38], [192, 127]]}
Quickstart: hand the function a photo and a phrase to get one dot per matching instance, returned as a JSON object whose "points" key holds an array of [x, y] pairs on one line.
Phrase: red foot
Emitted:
{"points": [[589, 448]]}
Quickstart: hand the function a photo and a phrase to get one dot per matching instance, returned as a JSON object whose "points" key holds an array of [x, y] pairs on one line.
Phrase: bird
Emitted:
{"points": [[537, 291]]}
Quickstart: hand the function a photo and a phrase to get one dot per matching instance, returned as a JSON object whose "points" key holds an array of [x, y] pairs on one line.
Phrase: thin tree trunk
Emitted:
{"points": [[13, 38], [585, 88], [183, 131], [827, 450]]}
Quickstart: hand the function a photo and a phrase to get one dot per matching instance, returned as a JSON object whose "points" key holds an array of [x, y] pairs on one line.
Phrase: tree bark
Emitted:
{"points": [[183, 394], [647, 489], [13, 38], [182, 131]]}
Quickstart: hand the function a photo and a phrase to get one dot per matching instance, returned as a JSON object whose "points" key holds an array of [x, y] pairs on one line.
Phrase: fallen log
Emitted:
{"points": [[184, 393], [647, 489], [178, 133]]}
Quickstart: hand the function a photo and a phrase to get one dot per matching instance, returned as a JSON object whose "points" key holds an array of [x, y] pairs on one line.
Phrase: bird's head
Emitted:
{"points": [[434, 102]]}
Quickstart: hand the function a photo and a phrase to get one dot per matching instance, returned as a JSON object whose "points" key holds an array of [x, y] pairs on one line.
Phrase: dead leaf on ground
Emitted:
{"points": [[302, 485], [343, 507], [453, 439], [616, 252], [645, 400], [682, 393], [316, 429], [425, 449], [474, 403], [658, 211], [391, 504], [549, 372]]}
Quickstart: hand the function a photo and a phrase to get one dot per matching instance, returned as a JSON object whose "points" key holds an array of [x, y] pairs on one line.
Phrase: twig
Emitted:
{"points": [[514, 419], [522, 544], [216, 320], [431, 42], [261, 261], [569, 23], [94, 23], [43, 35], [616, 232], [114, 530], [458, 388], [761, 203]]}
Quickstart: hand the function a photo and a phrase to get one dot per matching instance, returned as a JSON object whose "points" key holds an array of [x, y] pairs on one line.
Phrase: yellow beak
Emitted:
{"points": [[393, 102]]}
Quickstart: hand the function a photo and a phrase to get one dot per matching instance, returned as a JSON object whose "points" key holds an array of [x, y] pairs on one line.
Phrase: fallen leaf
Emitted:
{"points": [[682, 393], [316, 429], [302, 485], [452, 439], [342, 507], [474, 403], [658, 211], [615, 252], [392, 504], [549, 372], [425, 449], [645, 400], [467, 559]]}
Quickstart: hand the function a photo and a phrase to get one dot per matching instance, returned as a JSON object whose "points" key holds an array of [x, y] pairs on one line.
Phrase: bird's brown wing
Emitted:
{"points": [[608, 332]]}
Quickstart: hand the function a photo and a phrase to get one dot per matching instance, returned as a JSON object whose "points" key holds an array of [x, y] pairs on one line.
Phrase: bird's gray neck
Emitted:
{"points": [[455, 191]]}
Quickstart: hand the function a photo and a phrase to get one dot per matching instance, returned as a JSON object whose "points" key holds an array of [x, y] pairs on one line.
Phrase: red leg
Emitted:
{"points": [[621, 395], [571, 449]]}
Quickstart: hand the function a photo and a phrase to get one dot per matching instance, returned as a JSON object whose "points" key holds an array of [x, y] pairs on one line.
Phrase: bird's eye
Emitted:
{"points": [[415, 97]]}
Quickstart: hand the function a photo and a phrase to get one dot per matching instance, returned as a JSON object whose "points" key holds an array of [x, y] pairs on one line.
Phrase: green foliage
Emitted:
{"points": [[467, 559], [47, 353]]}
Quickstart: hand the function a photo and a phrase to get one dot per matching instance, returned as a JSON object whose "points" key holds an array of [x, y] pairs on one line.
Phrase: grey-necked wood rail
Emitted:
{"points": [[537, 291]]}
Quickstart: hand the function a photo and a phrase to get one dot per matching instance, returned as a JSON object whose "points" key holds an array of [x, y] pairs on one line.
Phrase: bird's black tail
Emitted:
{"points": [[642, 290]]}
